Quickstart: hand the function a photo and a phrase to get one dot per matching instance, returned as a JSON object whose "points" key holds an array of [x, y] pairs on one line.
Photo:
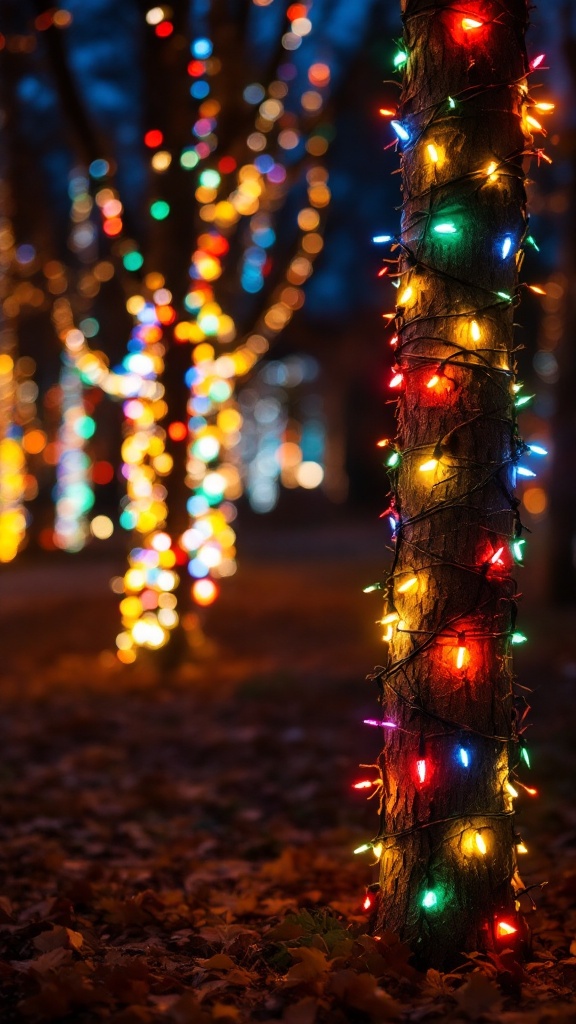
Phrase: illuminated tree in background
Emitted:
{"points": [[454, 753], [237, 182]]}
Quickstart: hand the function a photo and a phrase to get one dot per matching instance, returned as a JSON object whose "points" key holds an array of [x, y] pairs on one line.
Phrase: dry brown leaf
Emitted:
{"points": [[479, 995], [58, 937], [302, 1012], [313, 965], [362, 992]]}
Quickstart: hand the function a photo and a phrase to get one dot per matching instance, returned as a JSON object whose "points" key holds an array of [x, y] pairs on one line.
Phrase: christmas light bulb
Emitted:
{"points": [[445, 228], [394, 459], [421, 769], [510, 789], [518, 638], [387, 637], [469, 24], [392, 617], [382, 725], [396, 381], [536, 289], [524, 471], [367, 903], [537, 61], [497, 557], [531, 241], [378, 850], [503, 928], [530, 790], [504, 296], [429, 899], [545, 108], [364, 848], [402, 132], [537, 449], [451, 103], [380, 239], [517, 547], [523, 400], [432, 153], [534, 123], [386, 113], [475, 330], [525, 756], [408, 585], [480, 844], [365, 784], [460, 655], [400, 59], [405, 296], [383, 443], [521, 848], [464, 757], [433, 381], [490, 171], [506, 246], [428, 466]]}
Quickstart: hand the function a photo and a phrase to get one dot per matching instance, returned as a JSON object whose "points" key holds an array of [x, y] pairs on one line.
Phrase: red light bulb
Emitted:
{"points": [[504, 929]]}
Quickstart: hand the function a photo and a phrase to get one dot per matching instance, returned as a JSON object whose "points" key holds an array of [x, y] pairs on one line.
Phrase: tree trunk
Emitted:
{"points": [[448, 683]]}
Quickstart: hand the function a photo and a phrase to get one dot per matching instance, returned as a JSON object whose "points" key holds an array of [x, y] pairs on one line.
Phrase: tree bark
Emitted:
{"points": [[448, 681]]}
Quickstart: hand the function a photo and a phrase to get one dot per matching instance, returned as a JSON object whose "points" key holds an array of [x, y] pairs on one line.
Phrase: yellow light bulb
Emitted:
{"points": [[433, 381], [534, 123], [428, 466], [475, 333], [510, 789], [460, 657], [490, 171], [378, 850], [481, 845], [408, 585], [521, 848], [545, 107], [388, 635], [471, 23], [432, 153], [392, 617], [406, 296]]}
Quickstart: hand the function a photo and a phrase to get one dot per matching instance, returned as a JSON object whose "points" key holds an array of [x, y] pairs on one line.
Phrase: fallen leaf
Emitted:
{"points": [[362, 992], [313, 964], [479, 995], [302, 1012]]}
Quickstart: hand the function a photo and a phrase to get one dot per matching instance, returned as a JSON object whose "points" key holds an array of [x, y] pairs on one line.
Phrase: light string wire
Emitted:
{"points": [[493, 563]]}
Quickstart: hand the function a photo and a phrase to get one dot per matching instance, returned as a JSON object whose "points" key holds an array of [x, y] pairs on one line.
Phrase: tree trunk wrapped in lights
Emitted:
{"points": [[447, 841]]}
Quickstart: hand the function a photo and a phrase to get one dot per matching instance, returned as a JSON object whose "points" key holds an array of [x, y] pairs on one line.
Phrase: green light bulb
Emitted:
{"points": [[429, 899], [133, 260], [159, 210]]}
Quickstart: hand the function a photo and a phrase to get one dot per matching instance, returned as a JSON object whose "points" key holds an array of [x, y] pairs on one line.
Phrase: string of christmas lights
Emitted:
{"points": [[449, 598], [286, 136], [13, 517]]}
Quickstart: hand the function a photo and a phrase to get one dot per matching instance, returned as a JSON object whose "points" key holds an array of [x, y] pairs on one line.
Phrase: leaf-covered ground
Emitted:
{"points": [[177, 847]]}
